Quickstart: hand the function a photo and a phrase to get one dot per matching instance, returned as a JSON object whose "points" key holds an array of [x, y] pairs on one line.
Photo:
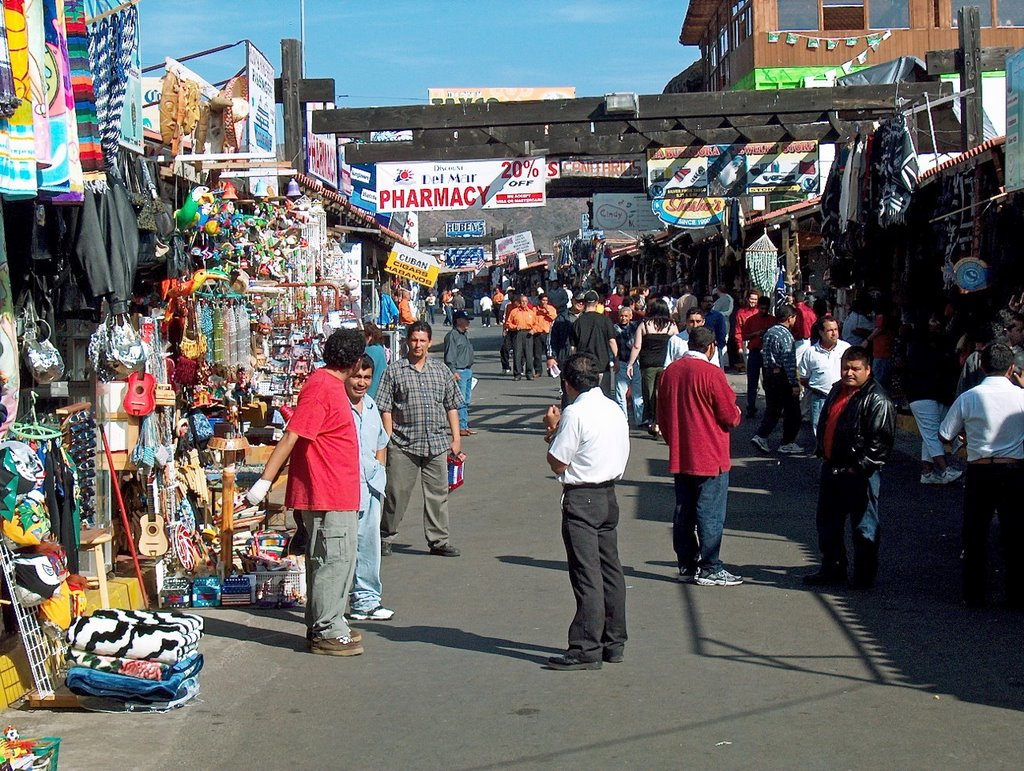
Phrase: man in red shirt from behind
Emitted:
{"points": [[323, 485], [696, 410]]}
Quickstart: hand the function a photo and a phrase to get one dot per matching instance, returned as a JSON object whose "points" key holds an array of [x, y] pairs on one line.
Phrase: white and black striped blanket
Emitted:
{"points": [[144, 635]]}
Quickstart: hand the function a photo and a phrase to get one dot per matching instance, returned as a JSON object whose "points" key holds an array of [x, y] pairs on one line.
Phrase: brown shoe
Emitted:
{"points": [[353, 634], [342, 646]]}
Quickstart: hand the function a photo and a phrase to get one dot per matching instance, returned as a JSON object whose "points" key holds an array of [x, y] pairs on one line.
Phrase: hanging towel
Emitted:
{"points": [[63, 176], [898, 170], [37, 74], [89, 151], [17, 145], [9, 100]]}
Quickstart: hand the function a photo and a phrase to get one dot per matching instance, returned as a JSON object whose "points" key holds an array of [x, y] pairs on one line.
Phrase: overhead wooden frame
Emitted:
{"points": [[583, 127]]}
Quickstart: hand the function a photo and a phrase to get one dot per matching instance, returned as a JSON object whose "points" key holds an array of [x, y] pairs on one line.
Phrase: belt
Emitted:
{"points": [[589, 485], [995, 462]]}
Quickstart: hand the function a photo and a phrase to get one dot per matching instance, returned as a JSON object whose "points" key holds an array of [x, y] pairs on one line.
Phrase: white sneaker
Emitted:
{"points": [[791, 449], [380, 613], [760, 443], [950, 475], [931, 478]]}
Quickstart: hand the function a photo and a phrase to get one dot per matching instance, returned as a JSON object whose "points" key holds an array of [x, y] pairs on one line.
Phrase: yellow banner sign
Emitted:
{"points": [[412, 265]]}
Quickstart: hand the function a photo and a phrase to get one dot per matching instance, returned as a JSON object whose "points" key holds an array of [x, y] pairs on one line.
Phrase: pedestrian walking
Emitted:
{"points": [[519, 325], [781, 385], [419, 404], [446, 306], [679, 344], [856, 432], [594, 333], [820, 367], [486, 309], [544, 315], [749, 333], [696, 411], [458, 357], [649, 348], [991, 416], [323, 488], [365, 599], [431, 304], [588, 451], [626, 383], [498, 306]]}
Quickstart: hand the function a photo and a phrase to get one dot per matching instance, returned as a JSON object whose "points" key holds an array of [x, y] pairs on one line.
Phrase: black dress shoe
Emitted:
{"points": [[825, 578], [570, 661], [612, 657], [445, 550]]}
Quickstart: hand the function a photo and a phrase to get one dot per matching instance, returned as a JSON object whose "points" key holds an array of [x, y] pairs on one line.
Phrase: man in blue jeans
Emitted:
{"points": [[696, 410], [365, 598], [458, 357]]}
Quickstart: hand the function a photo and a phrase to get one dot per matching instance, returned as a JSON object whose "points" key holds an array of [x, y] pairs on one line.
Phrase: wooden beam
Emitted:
{"points": [[945, 62], [294, 120], [358, 122], [972, 113], [310, 90]]}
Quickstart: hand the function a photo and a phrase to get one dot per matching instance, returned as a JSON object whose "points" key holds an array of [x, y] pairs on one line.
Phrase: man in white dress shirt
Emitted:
{"points": [[589, 448], [820, 367]]}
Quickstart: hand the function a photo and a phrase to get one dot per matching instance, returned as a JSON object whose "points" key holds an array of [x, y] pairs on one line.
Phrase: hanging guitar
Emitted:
{"points": [[140, 399], [153, 537]]}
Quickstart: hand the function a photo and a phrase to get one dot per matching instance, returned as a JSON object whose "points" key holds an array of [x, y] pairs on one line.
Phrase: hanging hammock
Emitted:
{"points": [[763, 264]]}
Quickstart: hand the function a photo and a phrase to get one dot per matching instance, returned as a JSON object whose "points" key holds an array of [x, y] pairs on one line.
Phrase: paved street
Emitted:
{"points": [[764, 675]]}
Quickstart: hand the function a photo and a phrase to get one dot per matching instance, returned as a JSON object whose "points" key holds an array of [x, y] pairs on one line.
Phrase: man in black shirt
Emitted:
{"points": [[594, 333]]}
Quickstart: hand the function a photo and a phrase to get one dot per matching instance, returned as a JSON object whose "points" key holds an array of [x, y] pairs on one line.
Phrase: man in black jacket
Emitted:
{"points": [[856, 432]]}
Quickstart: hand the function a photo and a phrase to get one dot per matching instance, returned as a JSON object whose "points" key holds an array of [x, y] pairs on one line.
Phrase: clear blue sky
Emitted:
{"points": [[390, 53]]}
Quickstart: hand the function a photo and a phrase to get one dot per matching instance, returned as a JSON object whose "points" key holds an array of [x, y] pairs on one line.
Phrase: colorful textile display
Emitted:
{"points": [[17, 142], [187, 622], [89, 150], [92, 682], [112, 42], [165, 643], [144, 670], [63, 175], [9, 100]]}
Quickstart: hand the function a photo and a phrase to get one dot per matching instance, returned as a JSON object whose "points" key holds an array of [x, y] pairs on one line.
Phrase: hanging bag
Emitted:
{"points": [[40, 355]]}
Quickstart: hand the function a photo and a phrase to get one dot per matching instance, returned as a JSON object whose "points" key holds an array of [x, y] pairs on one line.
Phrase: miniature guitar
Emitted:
{"points": [[140, 399], [153, 538]]}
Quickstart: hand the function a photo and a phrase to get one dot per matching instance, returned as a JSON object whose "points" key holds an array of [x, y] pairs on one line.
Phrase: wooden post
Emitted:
{"points": [[972, 114], [227, 521], [294, 120]]}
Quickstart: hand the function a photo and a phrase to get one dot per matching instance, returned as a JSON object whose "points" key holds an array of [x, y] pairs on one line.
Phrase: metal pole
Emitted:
{"points": [[302, 32]]}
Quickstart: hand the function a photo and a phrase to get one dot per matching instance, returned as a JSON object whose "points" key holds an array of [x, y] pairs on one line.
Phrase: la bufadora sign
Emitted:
{"points": [[412, 265], [432, 186]]}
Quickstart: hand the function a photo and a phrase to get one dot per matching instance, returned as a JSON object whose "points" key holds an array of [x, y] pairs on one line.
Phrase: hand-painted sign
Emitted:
{"points": [[430, 186], [689, 212], [464, 256], [321, 150], [520, 243], [730, 171], [465, 228], [412, 265], [624, 211]]}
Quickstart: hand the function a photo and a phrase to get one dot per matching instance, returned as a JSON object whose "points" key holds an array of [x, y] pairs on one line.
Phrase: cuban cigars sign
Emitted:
{"points": [[412, 265], [430, 186]]}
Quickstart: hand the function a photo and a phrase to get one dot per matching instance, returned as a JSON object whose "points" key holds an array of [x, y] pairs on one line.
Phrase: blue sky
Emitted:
{"points": [[390, 53]]}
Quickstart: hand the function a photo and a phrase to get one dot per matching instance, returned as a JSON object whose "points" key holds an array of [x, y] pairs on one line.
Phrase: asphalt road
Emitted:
{"points": [[763, 675]]}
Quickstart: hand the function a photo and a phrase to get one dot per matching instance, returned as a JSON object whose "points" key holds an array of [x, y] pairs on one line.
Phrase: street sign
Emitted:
{"points": [[465, 228]]}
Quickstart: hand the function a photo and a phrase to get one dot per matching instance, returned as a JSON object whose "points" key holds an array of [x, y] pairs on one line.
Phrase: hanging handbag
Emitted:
{"points": [[154, 215], [193, 345], [40, 355]]}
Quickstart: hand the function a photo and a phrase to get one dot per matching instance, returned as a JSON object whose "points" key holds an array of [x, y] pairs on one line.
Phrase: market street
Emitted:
{"points": [[766, 675]]}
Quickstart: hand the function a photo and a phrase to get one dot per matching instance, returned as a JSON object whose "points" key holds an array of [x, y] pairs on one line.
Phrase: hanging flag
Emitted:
{"points": [[831, 74], [847, 67], [851, 42], [773, 37], [791, 39], [813, 42], [874, 41], [862, 57], [831, 44], [887, 34]]}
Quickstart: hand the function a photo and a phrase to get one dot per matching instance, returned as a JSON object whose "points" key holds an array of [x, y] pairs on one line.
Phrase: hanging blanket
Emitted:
{"points": [[90, 152], [64, 173], [144, 670], [898, 170], [152, 642], [8, 98], [17, 144], [90, 682]]}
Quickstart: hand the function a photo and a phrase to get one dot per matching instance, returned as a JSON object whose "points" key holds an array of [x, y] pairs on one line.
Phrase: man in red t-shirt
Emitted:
{"points": [[323, 486], [696, 410]]}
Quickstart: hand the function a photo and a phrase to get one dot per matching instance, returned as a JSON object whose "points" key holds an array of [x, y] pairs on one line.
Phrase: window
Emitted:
{"points": [[889, 14], [986, 10], [798, 14], [842, 14], [1011, 13]]}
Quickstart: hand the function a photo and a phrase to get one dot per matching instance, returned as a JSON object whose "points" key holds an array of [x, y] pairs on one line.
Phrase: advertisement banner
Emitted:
{"points": [[602, 169], [478, 95], [321, 149], [458, 257], [689, 212], [519, 243], [465, 229], [730, 171], [262, 121], [624, 211], [432, 186], [1014, 113], [412, 265]]}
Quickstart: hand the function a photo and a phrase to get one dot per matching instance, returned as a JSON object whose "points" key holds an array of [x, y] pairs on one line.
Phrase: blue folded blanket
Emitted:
{"points": [[90, 682]]}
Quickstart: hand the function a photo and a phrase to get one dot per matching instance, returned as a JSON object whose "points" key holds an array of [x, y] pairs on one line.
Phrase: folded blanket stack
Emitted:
{"points": [[139, 657]]}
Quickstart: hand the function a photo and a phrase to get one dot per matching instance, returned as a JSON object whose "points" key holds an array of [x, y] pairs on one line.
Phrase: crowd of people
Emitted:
{"points": [[658, 358]]}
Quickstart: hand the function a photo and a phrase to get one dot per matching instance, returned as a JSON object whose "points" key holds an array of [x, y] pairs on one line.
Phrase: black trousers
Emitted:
{"points": [[523, 346], [506, 351], [540, 351], [845, 496], [992, 489], [780, 402], [590, 516]]}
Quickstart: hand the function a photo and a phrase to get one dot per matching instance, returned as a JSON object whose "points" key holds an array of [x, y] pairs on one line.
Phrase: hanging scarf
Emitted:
{"points": [[9, 100], [83, 95], [17, 147], [36, 79], [64, 174], [112, 43]]}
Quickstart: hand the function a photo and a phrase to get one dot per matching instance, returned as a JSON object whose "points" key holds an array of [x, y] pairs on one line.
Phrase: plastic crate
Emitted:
{"points": [[279, 588]]}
